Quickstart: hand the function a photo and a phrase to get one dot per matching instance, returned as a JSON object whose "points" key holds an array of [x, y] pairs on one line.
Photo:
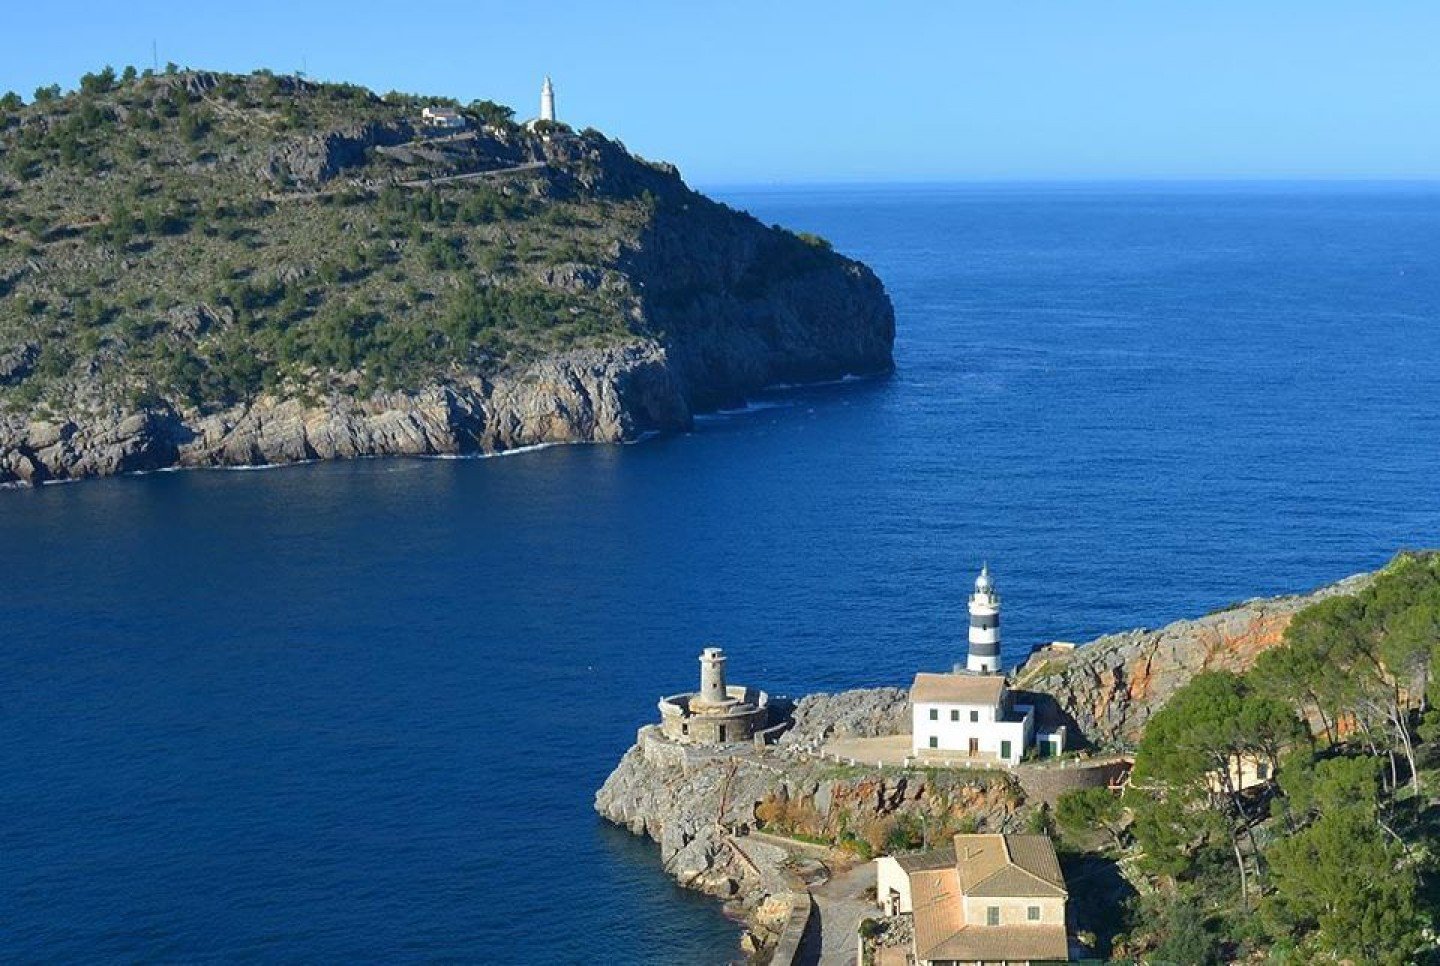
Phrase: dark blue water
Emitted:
{"points": [[357, 712]]}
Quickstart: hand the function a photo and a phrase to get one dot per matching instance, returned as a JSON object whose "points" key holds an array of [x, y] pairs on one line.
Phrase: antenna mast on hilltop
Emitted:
{"points": [[154, 58]]}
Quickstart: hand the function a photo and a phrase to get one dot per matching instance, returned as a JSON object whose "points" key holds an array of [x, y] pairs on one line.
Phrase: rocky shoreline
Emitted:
{"points": [[609, 395], [606, 395], [704, 806], [700, 805], [613, 395]]}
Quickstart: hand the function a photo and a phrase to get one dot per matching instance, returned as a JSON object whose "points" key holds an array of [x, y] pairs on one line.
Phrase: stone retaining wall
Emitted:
{"points": [[1048, 784], [791, 946]]}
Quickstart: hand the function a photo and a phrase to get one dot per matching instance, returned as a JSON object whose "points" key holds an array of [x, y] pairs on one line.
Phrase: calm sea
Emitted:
{"points": [[358, 712]]}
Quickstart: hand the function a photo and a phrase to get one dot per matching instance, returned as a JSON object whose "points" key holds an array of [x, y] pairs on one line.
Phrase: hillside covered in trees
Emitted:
{"points": [[186, 255], [1289, 814]]}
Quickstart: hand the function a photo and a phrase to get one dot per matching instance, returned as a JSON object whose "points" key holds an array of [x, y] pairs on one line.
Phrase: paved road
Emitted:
{"points": [[474, 175], [840, 904]]}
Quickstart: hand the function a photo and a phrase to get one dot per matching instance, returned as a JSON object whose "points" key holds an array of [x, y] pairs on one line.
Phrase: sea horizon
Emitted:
{"points": [[1120, 184]]}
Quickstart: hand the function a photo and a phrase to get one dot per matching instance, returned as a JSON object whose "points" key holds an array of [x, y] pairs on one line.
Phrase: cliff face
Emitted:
{"points": [[272, 270], [742, 306], [603, 395], [1111, 686]]}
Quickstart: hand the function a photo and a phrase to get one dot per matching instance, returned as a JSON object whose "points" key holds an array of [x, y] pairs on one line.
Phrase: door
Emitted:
{"points": [[1005, 750], [974, 746]]}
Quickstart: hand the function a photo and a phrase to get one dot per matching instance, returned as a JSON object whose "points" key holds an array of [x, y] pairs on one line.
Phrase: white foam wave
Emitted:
{"points": [[514, 451]]}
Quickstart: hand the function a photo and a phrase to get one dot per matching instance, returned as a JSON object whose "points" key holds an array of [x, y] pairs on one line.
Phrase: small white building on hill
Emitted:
{"points": [[442, 118]]}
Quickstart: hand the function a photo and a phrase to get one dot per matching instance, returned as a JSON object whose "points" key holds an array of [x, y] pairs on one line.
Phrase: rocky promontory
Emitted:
{"points": [[203, 269], [711, 809]]}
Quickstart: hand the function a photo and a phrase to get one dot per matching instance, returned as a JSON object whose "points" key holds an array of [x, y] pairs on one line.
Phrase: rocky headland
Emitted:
{"points": [[205, 269], [705, 808], [709, 809]]}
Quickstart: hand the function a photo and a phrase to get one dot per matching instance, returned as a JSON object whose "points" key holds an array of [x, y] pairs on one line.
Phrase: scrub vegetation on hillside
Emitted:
{"points": [[206, 237]]}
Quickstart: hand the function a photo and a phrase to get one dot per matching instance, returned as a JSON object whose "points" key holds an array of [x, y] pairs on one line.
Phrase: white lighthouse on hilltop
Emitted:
{"points": [[984, 657], [547, 100]]}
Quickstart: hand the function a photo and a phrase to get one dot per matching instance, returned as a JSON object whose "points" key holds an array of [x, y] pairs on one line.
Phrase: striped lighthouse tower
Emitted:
{"points": [[984, 656]]}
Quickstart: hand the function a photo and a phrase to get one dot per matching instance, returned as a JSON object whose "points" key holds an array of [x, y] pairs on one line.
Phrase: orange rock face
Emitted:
{"points": [[1107, 689]]}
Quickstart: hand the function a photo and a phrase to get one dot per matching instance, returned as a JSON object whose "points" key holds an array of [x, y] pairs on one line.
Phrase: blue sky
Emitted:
{"points": [[794, 92]]}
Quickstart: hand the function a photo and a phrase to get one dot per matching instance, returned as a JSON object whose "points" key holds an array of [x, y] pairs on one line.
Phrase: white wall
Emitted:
{"points": [[889, 875], [953, 735]]}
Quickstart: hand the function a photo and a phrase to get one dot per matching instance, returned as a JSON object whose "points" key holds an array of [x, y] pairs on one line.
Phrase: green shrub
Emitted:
{"points": [[98, 83], [814, 240]]}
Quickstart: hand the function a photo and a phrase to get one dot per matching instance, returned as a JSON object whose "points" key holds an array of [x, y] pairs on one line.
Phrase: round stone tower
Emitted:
{"points": [[547, 101], [712, 677], [718, 713], [984, 654]]}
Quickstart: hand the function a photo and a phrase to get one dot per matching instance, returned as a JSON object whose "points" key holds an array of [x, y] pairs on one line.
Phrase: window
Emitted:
{"points": [[954, 715], [974, 716], [992, 916], [934, 714], [1033, 913], [934, 742], [1262, 771]]}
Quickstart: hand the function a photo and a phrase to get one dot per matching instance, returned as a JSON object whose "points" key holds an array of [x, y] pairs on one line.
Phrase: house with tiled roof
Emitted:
{"points": [[986, 899]]}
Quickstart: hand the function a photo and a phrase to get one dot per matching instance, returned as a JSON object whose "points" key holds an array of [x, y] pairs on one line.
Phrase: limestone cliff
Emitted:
{"points": [[1111, 686], [599, 395]]}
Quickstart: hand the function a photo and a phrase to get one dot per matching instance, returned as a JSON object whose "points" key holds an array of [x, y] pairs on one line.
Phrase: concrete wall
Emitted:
{"points": [[657, 751], [1246, 771], [715, 729]]}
